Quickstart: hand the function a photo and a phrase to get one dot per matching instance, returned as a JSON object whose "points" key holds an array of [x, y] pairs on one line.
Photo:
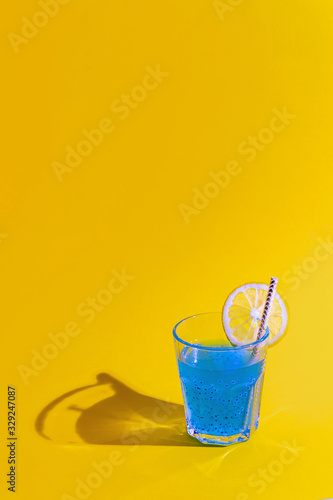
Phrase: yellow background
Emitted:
{"points": [[119, 209]]}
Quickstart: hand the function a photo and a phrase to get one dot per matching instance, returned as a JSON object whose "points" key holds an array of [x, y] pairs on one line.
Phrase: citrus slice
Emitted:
{"points": [[242, 313]]}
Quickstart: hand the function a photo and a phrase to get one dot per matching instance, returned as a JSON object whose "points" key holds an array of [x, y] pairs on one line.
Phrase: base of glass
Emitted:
{"points": [[222, 440]]}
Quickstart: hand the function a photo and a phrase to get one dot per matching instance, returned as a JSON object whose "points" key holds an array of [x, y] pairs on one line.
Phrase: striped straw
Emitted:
{"points": [[267, 311]]}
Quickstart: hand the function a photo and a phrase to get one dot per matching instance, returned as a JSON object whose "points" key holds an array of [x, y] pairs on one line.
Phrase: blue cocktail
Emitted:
{"points": [[221, 383]]}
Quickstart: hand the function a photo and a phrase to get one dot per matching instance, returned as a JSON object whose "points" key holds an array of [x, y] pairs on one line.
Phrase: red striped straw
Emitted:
{"points": [[266, 312]]}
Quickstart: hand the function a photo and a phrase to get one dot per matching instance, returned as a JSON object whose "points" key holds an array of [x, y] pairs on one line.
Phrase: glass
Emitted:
{"points": [[221, 383]]}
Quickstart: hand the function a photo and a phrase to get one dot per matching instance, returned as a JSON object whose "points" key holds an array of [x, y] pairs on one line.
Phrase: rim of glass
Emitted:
{"points": [[215, 348]]}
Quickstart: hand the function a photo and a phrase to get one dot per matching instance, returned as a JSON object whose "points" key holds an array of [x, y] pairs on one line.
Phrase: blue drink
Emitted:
{"points": [[218, 390], [221, 384]]}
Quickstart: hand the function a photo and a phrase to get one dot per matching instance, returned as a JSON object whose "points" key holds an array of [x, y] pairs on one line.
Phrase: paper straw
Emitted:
{"points": [[249, 408], [262, 329], [256, 395], [266, 312]]}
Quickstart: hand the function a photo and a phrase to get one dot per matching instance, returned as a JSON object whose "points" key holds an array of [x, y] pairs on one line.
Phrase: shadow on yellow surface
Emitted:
{"points": [[109, 412]]}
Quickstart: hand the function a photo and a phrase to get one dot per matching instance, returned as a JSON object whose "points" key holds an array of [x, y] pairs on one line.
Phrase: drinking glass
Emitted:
{"points": [[221, 383]]}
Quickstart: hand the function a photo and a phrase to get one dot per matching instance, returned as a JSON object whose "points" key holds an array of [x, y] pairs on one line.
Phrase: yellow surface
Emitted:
{"points": [[226, 71]]}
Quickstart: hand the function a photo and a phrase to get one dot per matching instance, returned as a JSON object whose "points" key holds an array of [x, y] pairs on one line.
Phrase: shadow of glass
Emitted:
{"points": [[109, 412]]}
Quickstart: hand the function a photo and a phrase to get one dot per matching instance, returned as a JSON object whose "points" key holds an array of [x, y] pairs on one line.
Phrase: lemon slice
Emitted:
{"points": [[242, 313]]}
